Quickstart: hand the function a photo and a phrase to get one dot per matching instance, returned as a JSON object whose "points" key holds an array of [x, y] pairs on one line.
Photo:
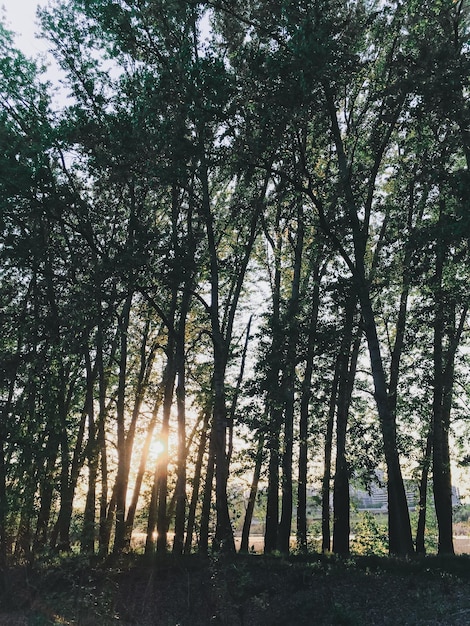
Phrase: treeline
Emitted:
{"points": [[244, 233]]}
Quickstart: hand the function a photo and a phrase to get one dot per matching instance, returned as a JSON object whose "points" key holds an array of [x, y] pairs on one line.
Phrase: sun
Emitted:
{"points": [[156, 448]]}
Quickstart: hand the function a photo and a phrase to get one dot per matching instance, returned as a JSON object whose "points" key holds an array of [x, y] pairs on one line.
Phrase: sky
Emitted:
{"points": [[20, 18]]}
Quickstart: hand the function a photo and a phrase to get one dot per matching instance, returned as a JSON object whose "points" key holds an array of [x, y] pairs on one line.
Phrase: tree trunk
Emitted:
{"points": [[274, 402], [306, 394], [400, 538], [121, 481], [3, 509], [141, 471], [223, 533], [87, 545], [250, 507], [197, 481], [347, 370], [285, 524], [444, 326], [161, 474], [203, 544], [326, 480], [46, 491], [423, 496], [180, 489], [236, 393], [442, 482], [104, 534]]}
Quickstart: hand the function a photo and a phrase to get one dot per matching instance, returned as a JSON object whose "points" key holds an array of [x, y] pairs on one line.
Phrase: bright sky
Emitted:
{"points": [[20, 18]]}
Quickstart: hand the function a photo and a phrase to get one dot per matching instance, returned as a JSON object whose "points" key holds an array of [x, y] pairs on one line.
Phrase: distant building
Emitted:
{"points": [[375, 498]]}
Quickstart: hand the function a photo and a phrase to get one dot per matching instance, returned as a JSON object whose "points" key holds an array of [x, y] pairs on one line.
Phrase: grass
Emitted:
{"points": [[242, 590]]}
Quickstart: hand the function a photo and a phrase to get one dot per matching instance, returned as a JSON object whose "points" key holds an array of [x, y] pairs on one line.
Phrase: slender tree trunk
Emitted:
{"points": [[152, 515], [274, 402], [224, 533], [442, 482], [87, 545], [400, 539], [423, 495], [162, 464], [121, 482], [104, 535], [306, 394], [24, 534], [328, 445], [443, 365], [70, 469], [141, 471], [197, 481], [145, 368], [272, 505], [46, 490], [203, 544], [4, 506], [236, 393], [250, 507], [347, 370], [180, 489], [3, 509], [285, 524]]}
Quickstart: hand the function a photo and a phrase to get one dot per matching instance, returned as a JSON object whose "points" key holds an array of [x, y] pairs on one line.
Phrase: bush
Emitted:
{"points": [[369, 537]]}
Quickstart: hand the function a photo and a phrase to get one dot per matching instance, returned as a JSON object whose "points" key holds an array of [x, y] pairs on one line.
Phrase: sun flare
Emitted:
{"points": [[156, 448]]}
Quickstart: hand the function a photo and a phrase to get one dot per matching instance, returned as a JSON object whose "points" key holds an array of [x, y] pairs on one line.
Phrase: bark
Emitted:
{"points": [[197, 481], [141, 471], [104, 528], [161, 473], [250, 507], [272, 505], [46, 492], [326, 480], [3, 508], [146, 363], [88, 530], [180, 489], [274, 402], [203, 544], [442, 482], [223, 533], [121, 478], [347, 370], [236, 394], [445, 332], [152, 515], [306, 394], [285, 524], [423, 495]]}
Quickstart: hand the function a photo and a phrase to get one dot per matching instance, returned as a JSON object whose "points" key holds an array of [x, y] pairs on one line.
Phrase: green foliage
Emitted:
{"points": [[370, 536]]}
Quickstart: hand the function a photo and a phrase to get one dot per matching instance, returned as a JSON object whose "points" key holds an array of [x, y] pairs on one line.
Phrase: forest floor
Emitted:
{"points": [[243, 590]]}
